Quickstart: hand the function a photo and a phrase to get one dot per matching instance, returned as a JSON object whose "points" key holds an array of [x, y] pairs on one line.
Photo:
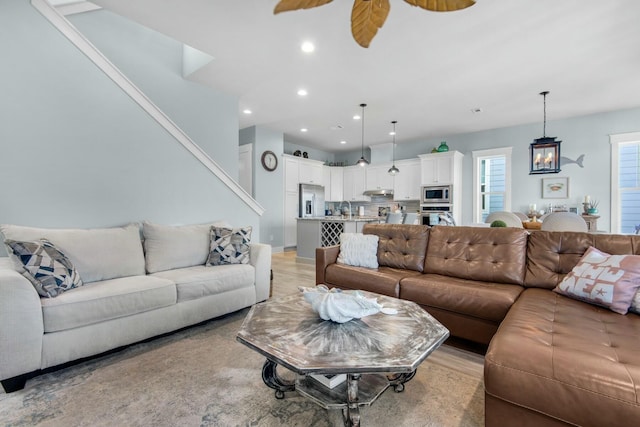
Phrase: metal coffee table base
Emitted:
{"points": [[359, 390]]}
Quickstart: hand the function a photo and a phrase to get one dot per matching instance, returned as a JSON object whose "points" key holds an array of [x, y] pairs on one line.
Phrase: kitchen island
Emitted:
{"points": [[325, 231]]}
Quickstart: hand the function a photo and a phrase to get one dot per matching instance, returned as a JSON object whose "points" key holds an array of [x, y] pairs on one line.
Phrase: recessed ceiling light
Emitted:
{"points": [[302, 92], [307, 47], [392, 133], [304, 130], [343, 142], [356, 117], [247, 111]]}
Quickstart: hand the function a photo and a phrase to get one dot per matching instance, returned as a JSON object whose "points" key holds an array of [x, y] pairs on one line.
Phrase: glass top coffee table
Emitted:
{"points": [[374, 352]]}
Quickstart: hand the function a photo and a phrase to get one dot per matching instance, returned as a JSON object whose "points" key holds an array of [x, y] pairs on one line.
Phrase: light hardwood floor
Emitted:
{"points": [[288, 274]]}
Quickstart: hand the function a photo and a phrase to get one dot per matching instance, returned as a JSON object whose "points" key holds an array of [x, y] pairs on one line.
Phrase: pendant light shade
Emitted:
{"points": [[544, 153], [393, 170], [362, 161]]}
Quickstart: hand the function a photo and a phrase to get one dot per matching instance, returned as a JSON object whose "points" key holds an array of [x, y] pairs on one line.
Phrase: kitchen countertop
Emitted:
{"points": [[344, 219]]}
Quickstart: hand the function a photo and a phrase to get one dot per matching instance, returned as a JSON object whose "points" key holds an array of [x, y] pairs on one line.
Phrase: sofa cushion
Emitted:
{"points": [[97, 254], [483, 300], [607, 280], [229, 245], [199, 281], [106, 300], [176, 246], [383, 280], [570, 360], [553, 254], [495, 255], [45, 266], [358, 250], [400, 245]]}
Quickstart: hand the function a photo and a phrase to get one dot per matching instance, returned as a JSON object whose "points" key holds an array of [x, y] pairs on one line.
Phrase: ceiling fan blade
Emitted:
{"points": [[287, 5], [442, 5], [367, 16]]}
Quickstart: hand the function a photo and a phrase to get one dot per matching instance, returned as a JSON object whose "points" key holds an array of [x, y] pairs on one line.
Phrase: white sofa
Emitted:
{"points": [[133, 290]]}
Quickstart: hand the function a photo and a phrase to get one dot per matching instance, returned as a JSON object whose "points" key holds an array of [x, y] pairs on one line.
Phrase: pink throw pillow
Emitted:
{"points": [[607, 280]]}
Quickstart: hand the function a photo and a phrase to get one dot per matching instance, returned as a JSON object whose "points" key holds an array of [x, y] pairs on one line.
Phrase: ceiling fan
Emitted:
{"points": [[368, 16]]}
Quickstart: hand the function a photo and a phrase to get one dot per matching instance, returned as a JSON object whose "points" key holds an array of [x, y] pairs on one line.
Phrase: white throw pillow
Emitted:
{"points": [[176, 246], [359, 250], [97, 253]]}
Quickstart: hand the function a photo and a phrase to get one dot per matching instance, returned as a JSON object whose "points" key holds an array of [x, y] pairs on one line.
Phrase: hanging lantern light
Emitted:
{"points": [[544, 153]]}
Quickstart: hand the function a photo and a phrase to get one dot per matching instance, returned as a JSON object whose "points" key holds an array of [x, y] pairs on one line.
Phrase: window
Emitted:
{"points": [[491, 182], [625, 182]]}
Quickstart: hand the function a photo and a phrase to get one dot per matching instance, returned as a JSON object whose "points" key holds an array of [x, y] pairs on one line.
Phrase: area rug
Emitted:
{"points": [[202, 377]]}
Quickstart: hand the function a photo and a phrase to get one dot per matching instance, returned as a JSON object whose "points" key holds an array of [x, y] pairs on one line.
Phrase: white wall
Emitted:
{"points": [[75, 151], [153, 62], [268, 187]]}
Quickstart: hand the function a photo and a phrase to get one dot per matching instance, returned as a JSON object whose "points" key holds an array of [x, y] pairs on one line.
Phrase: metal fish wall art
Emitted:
{"points": [[567, 161]]}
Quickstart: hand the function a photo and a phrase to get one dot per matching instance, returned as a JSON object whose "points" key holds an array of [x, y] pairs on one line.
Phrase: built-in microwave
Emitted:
{"points": [[436, 194]]}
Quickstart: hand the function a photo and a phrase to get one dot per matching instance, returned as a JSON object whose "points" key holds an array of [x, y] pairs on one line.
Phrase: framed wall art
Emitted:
{"points": [[555, 188]]}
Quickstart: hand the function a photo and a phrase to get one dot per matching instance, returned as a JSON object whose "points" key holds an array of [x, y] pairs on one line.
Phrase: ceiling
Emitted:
{"points": [[426, 70]]}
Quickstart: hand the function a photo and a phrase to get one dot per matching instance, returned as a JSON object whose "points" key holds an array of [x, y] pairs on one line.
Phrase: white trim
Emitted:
{"points": [[74, 7], [85, 46], [479, 155], [615, 140]]}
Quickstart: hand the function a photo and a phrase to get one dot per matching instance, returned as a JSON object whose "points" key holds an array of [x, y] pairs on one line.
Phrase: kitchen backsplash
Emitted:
{"points": [[377, 206]]}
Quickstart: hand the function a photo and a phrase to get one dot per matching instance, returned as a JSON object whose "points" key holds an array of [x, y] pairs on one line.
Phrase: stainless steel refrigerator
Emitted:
{"points": [[310, 201]]}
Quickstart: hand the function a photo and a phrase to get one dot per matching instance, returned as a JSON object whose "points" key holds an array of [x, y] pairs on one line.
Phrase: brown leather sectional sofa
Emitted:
{"points": [[551, 360]]}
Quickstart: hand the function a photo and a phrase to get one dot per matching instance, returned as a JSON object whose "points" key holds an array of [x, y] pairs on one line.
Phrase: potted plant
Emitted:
{"points": [[498, 223]]}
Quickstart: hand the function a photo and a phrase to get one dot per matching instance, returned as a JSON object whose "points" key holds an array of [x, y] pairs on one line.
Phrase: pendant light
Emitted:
{"points": [[394, 170], [544, 153], [362, 161]]}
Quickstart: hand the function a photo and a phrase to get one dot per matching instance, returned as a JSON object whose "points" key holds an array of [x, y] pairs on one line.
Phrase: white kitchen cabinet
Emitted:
{"points": [[378, 177], [354, 184], [406, 184], [310, 171], [333, 183], [298, 170], [290, 221], [291, 174], [440, 168]]}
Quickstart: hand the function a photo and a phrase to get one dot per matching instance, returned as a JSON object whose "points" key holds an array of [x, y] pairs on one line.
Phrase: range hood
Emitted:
{"points": [[378, 192]]}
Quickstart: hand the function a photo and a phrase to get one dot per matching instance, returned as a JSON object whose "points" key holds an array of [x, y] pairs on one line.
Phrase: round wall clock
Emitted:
{"points": [[269, 160]]}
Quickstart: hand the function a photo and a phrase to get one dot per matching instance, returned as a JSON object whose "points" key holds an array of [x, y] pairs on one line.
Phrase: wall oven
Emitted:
{"points": [[430, 214], [436, 194]]}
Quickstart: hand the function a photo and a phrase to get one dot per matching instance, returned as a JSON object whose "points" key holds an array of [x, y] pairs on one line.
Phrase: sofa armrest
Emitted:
{"points": [[21, 324], [260, 258], [325, 257]]}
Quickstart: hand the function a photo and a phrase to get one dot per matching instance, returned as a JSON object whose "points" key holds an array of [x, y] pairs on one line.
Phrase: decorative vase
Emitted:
{"points": [[435, 150], [592, 211], [443, 147]]}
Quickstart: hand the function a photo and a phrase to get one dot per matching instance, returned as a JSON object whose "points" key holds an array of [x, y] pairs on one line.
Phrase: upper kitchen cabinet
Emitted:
{"points": [[333, 183], [354, 184], [377, 177], [441, 168], [406, 184], [310, 171], [298, 170]]}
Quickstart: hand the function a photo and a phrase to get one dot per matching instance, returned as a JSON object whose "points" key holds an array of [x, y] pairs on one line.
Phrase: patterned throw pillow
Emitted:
{"points": [[229, 246], [46, 267], [359, 250], [607, 280]]}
